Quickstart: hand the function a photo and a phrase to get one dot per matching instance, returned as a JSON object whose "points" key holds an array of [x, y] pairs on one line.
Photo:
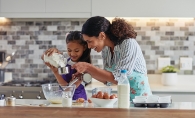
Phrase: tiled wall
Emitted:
{"points": [[31, 37]]}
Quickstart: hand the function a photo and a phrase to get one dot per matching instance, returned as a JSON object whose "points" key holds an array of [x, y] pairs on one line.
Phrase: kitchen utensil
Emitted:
{"points": [[7, 60], [53, 92], [85, 77], [66, 99], [44, 105], [2, 75], [63, 70], [100, 102], [106, 103], [10, 101], [2, 56]]}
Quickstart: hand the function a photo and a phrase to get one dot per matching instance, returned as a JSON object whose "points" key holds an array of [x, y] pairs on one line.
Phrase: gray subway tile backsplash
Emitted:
{"points": [[172, 38]]}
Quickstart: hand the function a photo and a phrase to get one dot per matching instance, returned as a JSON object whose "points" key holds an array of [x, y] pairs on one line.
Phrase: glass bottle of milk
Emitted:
{"points": [[123, 88]]}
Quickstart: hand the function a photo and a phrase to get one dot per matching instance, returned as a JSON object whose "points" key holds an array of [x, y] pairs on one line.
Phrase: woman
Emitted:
{"points": [[119, 51]]}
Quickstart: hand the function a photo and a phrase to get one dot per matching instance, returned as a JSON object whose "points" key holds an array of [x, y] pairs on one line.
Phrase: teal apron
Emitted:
{"points": [[139, 85]]}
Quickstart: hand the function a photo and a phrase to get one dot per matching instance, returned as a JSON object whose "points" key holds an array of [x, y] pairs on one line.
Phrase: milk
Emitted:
{"points": [[123, 95], [66, 102]]}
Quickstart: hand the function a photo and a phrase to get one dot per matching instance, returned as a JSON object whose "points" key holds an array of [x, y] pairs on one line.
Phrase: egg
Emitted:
{"points": [[106, 96], [99, 95], [112, 97], [89, 101], [94, 96], [115, 95], [80, 100]]}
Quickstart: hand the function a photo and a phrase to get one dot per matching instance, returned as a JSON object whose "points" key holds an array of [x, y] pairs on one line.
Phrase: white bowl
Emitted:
{"points": [[106, 103]]}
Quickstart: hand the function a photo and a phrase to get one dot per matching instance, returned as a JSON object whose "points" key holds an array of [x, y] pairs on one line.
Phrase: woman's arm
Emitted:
{"points": [[127, 60], [97, 73]]}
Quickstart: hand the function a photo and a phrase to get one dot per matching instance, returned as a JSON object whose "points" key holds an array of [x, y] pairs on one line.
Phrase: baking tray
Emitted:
{"points": [[152, 105]]}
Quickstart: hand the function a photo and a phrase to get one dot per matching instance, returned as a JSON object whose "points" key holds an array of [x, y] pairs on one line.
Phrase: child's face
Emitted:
{"points": [[75, 50]]}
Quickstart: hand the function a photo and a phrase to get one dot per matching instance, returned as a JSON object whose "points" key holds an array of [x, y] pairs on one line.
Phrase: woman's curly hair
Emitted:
{"points": [[122, 30], [117, 32]]}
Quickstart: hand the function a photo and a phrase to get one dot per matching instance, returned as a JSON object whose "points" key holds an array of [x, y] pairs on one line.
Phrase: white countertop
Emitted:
{"points": [[36, 103], [185, 84]]}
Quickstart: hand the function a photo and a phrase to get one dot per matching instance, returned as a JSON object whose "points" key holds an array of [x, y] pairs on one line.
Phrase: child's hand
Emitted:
{"points": [[78, 82], [53, 68], [51, 51]]}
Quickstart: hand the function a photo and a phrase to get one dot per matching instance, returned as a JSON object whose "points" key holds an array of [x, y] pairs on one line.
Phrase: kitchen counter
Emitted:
{"points": [[185, 84], [51, 112], [155, 87], [37, 103], [177, 110], [185, 89]]}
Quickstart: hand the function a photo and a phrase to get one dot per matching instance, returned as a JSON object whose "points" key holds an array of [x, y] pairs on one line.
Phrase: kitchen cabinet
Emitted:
{"points": [[72, 6], [21, 8], [69, 8], [143, 8], [45, 8]]}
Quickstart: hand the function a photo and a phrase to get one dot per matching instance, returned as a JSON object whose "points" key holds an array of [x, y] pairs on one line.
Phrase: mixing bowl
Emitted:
{"points": [[53, 92]]}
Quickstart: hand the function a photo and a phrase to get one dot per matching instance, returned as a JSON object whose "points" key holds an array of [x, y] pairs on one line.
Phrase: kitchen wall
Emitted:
{"points": [[31, 37]]}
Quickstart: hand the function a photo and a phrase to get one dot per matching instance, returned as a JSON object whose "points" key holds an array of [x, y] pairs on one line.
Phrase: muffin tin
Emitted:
{"points": [[152, 105]]}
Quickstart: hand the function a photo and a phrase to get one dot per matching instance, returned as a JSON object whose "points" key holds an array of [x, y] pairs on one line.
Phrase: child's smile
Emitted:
{"points": [[75, 50]]}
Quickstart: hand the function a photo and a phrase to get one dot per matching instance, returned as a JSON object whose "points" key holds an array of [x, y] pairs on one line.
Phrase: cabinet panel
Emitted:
{"points": [[68, 6], [143, 8], [23, 6]]}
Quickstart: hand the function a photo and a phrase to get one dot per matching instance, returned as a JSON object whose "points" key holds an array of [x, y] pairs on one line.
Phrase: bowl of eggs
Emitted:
{"points": [[102, 97]]}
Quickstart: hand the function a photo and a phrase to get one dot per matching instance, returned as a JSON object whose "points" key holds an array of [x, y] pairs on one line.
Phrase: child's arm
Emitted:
{"points": [[78, 82]]}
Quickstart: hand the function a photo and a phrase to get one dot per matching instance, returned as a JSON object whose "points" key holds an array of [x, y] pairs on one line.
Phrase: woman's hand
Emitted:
{"points": [[81, 67], [53, 68]]}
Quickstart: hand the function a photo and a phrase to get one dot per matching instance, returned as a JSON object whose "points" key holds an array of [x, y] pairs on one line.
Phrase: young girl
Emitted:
{"points": [[78, 52]]}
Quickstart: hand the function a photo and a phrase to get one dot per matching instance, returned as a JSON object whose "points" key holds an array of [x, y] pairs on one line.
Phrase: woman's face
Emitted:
{"points": [[75, 50], [96, 43]]}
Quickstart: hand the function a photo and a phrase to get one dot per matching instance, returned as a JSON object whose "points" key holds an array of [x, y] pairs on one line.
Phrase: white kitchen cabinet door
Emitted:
{"points": [[45, 8], [68, 8], [143, 8], [22, 6]]}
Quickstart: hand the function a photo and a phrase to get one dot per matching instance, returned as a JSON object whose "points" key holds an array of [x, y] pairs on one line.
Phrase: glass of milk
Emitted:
{"points": [[67, 94], [66, 99]]}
